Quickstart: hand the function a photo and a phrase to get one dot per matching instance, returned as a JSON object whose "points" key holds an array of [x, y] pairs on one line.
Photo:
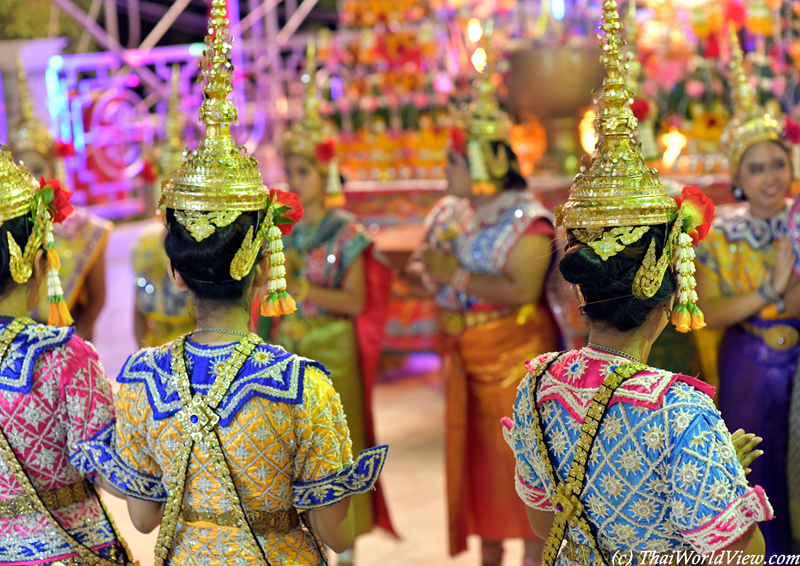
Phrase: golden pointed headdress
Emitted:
{"points": [[218, 180], [171, 156], [483, 122], [614, 203], [30, 133], [21, 195], [309, 139], [618, 189], [751, 123]]}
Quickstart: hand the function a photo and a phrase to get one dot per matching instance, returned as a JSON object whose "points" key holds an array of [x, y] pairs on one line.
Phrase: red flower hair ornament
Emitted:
{"points": [[698, 212], [288, 210], [56, 198]]}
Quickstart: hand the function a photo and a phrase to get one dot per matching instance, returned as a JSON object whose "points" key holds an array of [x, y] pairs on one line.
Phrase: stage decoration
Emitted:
{"points": [[614, 202], [218, 180]]}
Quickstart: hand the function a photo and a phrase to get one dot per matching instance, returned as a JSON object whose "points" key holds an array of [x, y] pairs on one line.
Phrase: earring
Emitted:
{"points": [[738, 193]]}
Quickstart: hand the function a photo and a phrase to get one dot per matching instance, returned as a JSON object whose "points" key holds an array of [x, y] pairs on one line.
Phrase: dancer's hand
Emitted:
{"points": [[784, 266], [744, 444], [440, 266]]}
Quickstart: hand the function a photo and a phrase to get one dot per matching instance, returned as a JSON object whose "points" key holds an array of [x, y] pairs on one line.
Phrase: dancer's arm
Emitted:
{"points": [[335, 525], [541, 521], [350, 299], [720, 311], [521, 283], [145, 515]]}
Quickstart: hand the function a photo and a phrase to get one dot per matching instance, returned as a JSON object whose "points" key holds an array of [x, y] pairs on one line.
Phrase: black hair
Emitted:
{"points": [[513, 181], [20, 229], [607, 286], [205, 266]]}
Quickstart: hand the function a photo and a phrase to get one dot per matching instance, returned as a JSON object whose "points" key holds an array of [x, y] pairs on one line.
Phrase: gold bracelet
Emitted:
{"points": [[305, 289]]}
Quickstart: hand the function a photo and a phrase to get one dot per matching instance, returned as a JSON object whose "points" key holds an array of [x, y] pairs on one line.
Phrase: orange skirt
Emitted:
{"points": [[484, 366]]}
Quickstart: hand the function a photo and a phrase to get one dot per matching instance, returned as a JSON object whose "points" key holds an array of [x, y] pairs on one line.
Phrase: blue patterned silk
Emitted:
{"points": [[662, 475]]}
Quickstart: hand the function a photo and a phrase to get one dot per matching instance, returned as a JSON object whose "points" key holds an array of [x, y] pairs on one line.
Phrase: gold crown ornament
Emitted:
{"points": [[613, 204], [309, 139], [30, 133], [218, 180], [45, 202], [483, 122], [751, 123]]}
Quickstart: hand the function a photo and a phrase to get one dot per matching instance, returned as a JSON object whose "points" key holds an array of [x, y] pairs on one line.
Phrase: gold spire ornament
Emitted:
{"points": [[751, 123], [308, 137], [483, 122], [171, 156], [30, 133], [613, 204], [218, 181], [45, 202]]}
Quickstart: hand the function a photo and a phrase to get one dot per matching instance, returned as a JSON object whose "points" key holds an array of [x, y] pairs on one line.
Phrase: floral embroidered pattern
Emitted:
{"points": [[360, 478], [61, 400], [99, 455], [487, 238], [728, 526], [663, 463], [271, 372]]}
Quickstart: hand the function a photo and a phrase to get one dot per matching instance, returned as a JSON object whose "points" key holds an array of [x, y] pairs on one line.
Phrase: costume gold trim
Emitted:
{"points": [[751, 123]]}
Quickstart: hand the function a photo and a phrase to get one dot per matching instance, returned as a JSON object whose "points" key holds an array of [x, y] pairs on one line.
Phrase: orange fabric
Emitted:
{"points": [[484, 367]]}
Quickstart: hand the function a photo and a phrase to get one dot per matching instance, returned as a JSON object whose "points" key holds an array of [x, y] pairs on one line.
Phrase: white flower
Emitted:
{"points": [[612, 427], [643, 510]]}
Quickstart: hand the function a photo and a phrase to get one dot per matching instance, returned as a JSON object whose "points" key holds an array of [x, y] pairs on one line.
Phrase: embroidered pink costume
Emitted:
{"points": [[54, 397], [663, 474]]}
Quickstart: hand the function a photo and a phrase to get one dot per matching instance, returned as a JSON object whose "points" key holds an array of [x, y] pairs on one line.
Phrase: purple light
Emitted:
{"points": [[443, 83], [337, 89]]}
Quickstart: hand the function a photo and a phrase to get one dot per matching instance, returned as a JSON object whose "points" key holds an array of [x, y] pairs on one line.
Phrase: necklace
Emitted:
{"points": [[218, 331], [613, 351]]}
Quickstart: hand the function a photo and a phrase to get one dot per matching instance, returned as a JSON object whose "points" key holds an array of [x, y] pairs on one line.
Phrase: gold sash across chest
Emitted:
{"points": [[565, 498]]}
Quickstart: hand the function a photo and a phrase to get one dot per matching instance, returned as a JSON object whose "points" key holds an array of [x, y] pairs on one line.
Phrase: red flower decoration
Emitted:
{"points": [[459, 140], [63, 150], [791, 131], [59, 207], [325, 151], [698, 211], [149, 173], [290, 217], [640, 109]]}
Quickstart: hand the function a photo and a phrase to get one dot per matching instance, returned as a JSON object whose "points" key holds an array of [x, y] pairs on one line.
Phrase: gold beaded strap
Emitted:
{"points": [[86, 554], [199, 419], [566, 495], [57, 499]]}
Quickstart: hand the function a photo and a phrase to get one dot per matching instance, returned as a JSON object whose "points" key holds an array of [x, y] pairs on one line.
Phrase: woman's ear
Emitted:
{"points": [[262, 272], [36, 279], [176, 277]]}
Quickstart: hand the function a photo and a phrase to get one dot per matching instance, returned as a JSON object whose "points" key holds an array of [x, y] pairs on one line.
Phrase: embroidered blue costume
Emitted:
{"points": [[662, 476]]}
